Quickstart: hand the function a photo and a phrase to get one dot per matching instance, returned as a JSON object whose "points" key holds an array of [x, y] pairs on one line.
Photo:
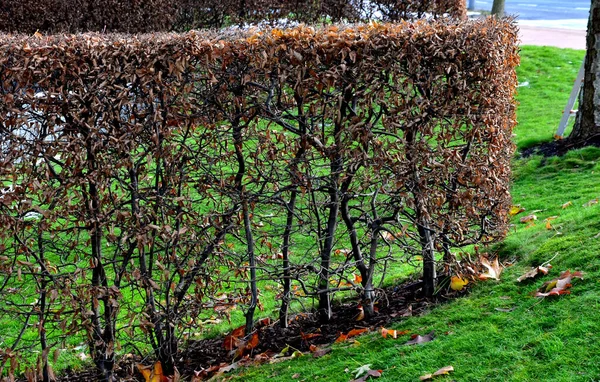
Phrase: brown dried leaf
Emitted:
{"points": [[534, 272], [418, 339]]}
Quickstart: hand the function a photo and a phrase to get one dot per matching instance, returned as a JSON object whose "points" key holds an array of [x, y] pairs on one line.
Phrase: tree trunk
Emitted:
{"points": [[498, 8], [587, 122]]}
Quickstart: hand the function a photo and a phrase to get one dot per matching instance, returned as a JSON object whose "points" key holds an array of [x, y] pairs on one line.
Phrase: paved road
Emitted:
{"points": [[541, 9]]}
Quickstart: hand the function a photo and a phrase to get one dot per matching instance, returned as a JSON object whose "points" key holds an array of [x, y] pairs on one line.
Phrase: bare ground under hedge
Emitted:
{"points": [[396, 303]]}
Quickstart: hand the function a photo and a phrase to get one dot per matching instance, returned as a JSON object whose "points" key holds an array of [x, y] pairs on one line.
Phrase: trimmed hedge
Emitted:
{"points": [[166, 166], [135, 16]]}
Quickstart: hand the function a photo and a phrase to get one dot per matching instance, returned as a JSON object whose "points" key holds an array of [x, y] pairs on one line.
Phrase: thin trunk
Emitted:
{"points": [[429, 271], [102, 340], [42, 312], [252, 265], [285, 252], [357, 253], [324, 311]]}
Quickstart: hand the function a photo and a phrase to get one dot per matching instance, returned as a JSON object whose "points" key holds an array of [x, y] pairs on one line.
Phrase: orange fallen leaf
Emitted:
{"points": [[342, 337], [253, 342], [357, 279], [239, 332], [356, 332], [385, 332], [231, 342], [393, 333], [309, 336], [548, 220]]}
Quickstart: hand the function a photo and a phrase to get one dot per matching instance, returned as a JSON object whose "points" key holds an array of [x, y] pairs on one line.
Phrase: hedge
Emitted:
{"points": [[165, 167], [135, 16]]}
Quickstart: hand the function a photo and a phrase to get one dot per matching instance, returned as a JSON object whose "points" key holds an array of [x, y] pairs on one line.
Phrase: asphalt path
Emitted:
{"points": [[541, 9]]}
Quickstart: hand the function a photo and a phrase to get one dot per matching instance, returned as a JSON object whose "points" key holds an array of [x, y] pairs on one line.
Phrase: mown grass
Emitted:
{"points": [[550, 339]]}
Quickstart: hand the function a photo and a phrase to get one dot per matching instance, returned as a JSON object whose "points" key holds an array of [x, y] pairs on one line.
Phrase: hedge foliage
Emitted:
{"points": [[135, 16], [143, 174]]}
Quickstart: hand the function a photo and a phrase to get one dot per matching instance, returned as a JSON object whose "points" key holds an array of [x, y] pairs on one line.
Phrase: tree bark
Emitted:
{"points": [[587, 122], [498, 8]]}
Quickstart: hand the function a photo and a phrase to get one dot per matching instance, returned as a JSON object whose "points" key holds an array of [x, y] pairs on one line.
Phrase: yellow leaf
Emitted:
{"points": [[567, 204], [458, 283], [515, 210]]}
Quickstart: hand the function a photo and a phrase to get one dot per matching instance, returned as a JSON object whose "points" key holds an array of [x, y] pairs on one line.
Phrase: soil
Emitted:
{"points": [[204, 357], [559, 147]]}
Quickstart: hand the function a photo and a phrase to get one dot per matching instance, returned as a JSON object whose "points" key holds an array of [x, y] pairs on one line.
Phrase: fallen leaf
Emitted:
{"points": [[152, 373], [341, 338], [296, 376], [321, 352], [309, 336], [361, 313], [356, 332], [418, 339], [393, 333], [567, 204], [365, 372], [534, 272], [505, 310], [253, 342], [559, 286], [370, 374], [387, 332], [457, 283], [548, 220], [357, 279], [515, 210], [591, 203], [528, 218], [443, 371], [494, 269]]}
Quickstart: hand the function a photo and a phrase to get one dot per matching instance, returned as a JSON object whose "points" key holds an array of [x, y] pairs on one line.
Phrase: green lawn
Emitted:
{"points": [[551, 339]]}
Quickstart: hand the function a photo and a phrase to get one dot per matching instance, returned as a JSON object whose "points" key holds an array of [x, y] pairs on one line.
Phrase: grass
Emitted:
{"points": [[551, 339]]}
